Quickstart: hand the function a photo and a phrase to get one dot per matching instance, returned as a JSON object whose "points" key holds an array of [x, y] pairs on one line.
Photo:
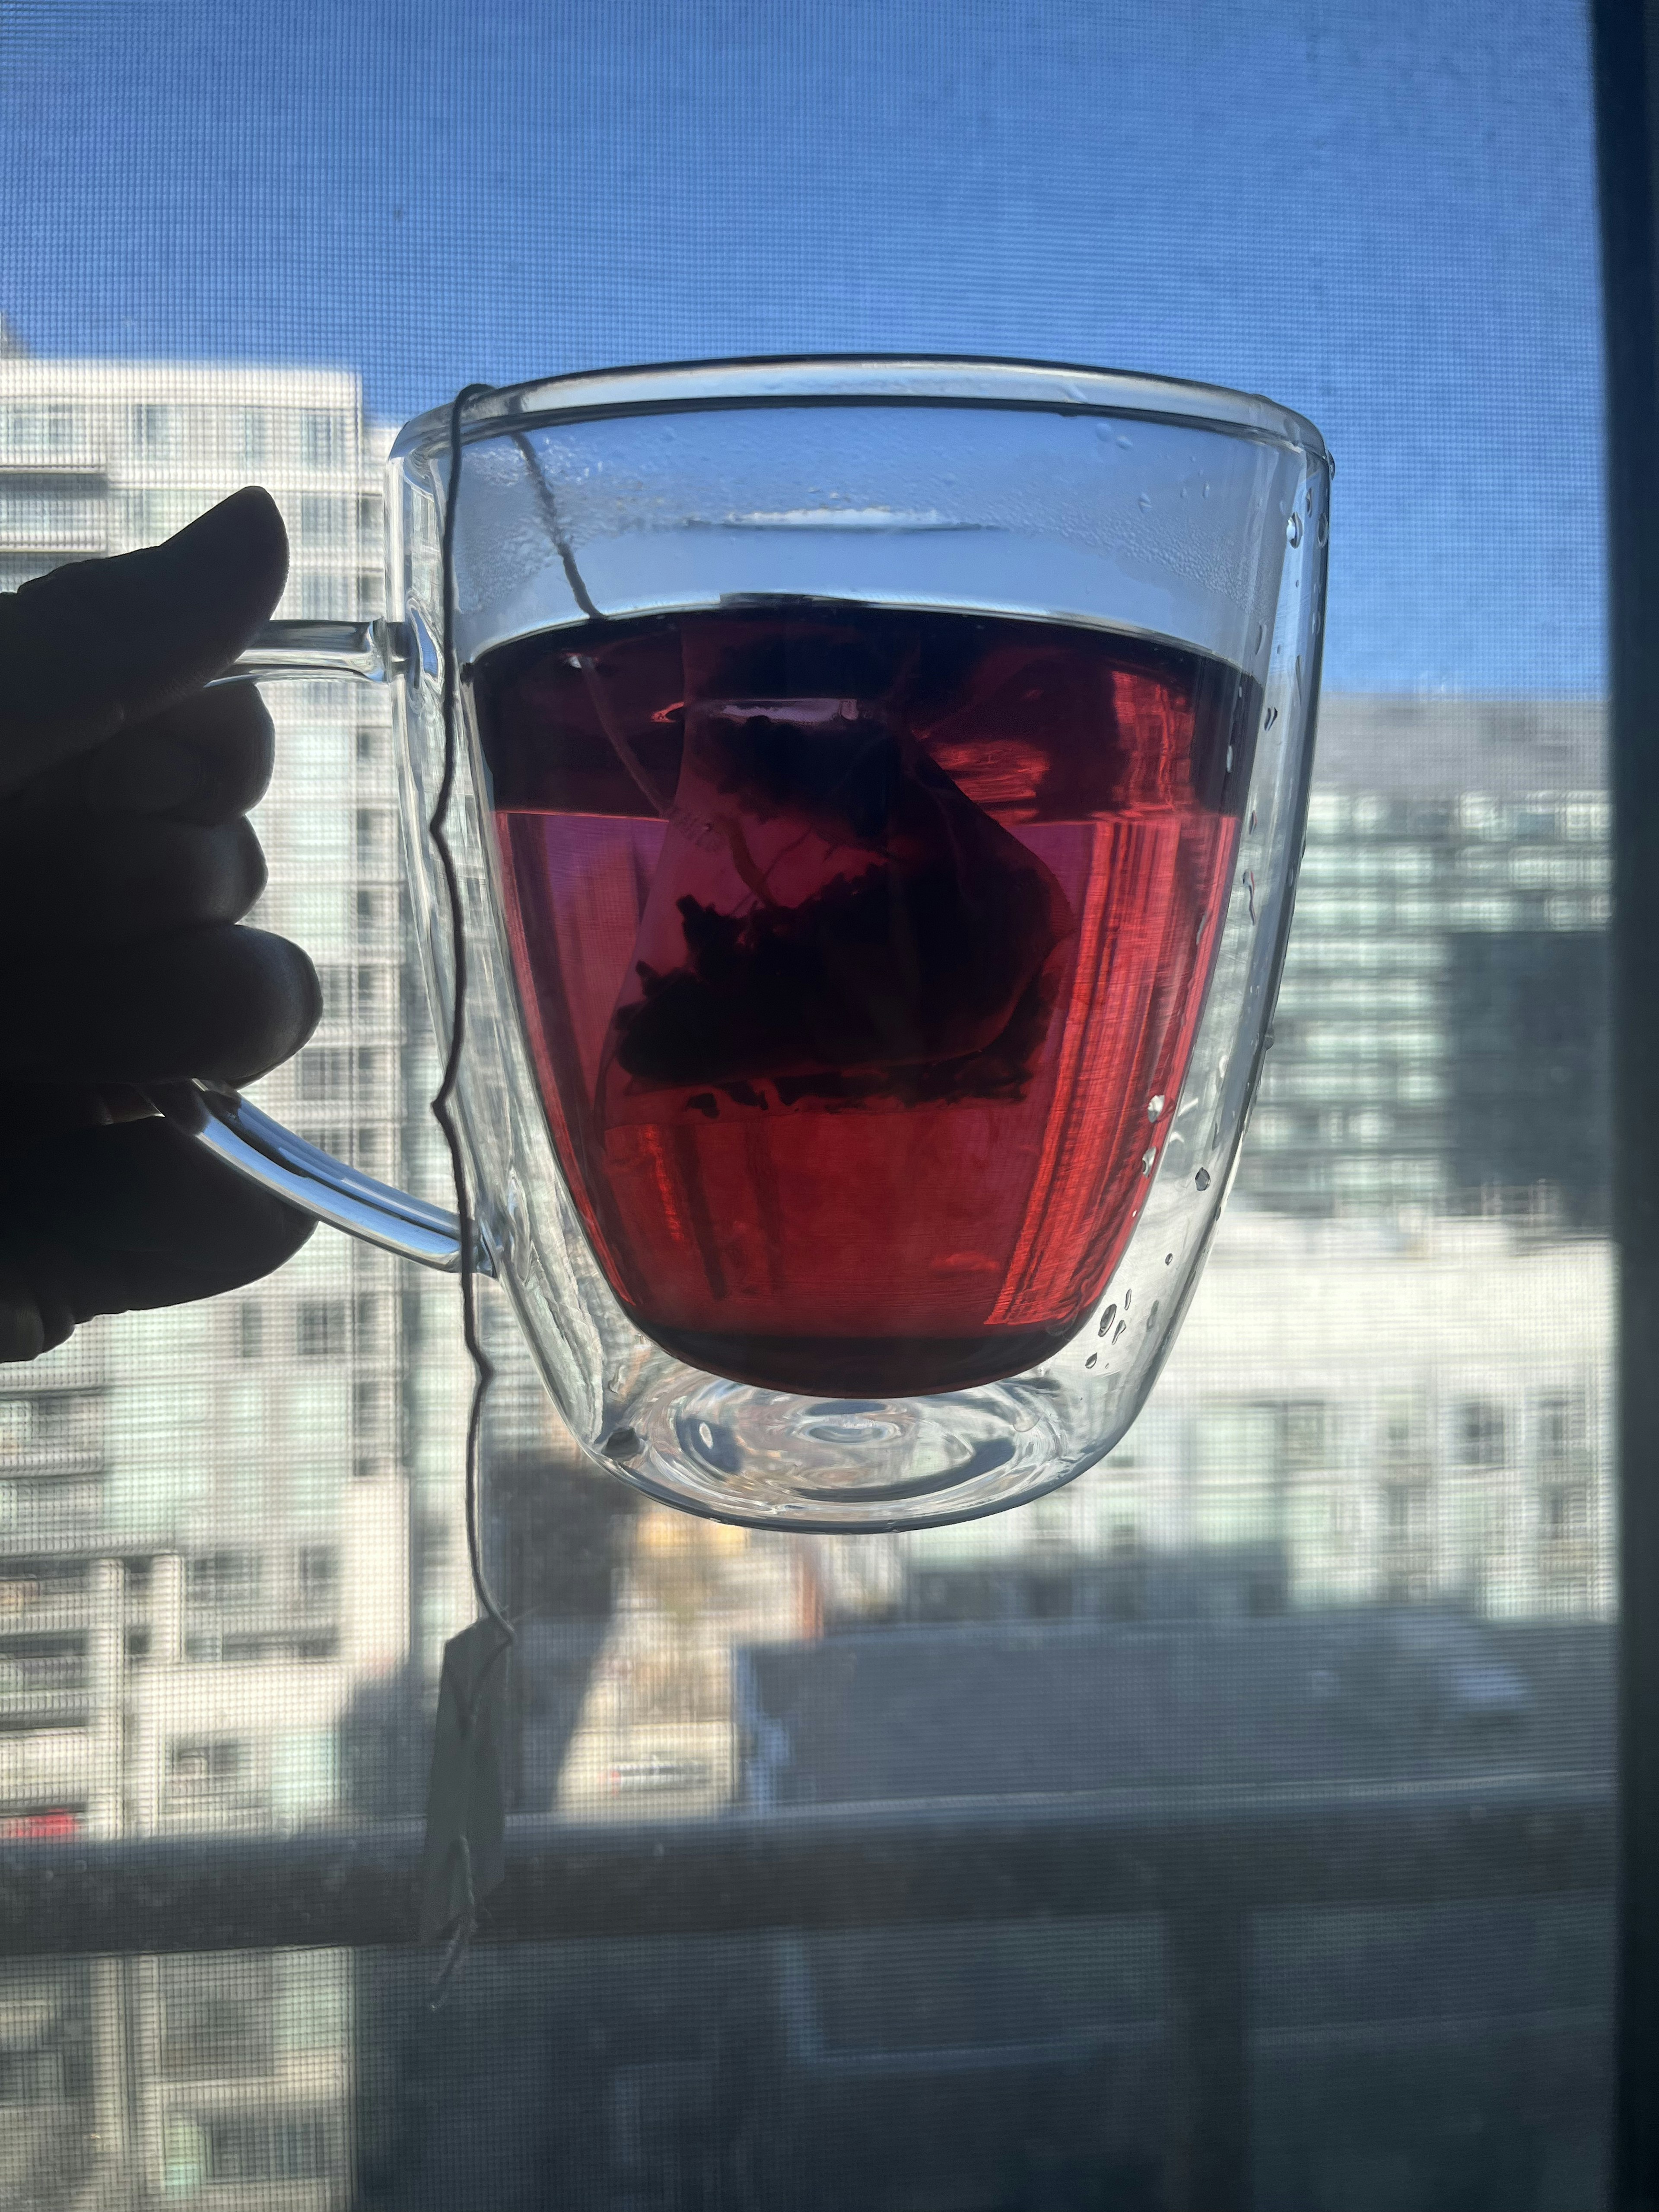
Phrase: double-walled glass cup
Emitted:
{"points": [[880, 791]]}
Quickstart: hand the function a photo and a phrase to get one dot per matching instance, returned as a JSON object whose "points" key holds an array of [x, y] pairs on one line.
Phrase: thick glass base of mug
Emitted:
{"points": [[751, 1454], [863, 1366]]}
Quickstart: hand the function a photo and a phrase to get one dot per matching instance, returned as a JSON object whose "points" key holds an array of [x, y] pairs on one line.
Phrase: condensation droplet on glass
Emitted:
{"points": [[1293, 529], [1169, 1259], [1324, 530], [1261, 636], [1129, 1300], [1148, 1160], [1230, 760], [1146, 502], [1106, 1320], [1206, 491], [1123, 441], [1152, 1317], [1202, 1179], [1093, 1360], [1252, 830], [1121, 1326], [1270, 718], [1155, 1106], [705, 1435]]}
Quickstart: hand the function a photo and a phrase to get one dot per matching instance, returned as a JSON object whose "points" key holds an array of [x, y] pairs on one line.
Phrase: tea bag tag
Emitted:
{"points": [[466, 1810]]}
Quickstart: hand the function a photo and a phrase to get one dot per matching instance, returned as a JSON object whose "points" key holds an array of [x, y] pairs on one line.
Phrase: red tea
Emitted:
{"points": [[861, 952]]}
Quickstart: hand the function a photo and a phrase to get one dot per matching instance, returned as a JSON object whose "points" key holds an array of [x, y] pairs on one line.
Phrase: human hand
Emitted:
{"points": [[125, 862]]}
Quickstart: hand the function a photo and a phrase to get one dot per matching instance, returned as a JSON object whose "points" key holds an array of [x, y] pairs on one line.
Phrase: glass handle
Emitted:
{"points": [[314, 1181], [220, 1118], [373, 652]]}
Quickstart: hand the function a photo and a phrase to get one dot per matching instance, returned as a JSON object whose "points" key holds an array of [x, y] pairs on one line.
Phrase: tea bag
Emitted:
{"points": [[831, 921]]}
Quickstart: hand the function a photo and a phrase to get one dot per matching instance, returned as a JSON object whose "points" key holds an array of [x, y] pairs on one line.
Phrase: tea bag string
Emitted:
{"points": [[443, 1110]]}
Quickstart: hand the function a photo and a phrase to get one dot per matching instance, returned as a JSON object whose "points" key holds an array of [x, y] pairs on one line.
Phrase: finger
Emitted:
{"points": [[30, 1112], [101, 880], [205, 760], [104, 1221], [93, 648], [222, 1001]]}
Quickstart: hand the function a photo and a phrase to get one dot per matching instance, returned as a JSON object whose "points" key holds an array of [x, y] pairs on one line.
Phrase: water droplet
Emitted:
{"points": [[1146, 502], [1107, 1319], [1148, 1160], [1230, 760], [1293, 529], [1270, 718], [1129, 1300], [1124, 442], [1202, 1179], [1324, 530], [1093, 1360], [1206, 491], [1253, 821], [1267, 1042], [1154, 1107], [1261, 636], [1152, 1317], [1121, 1326], [1169, 1259]]}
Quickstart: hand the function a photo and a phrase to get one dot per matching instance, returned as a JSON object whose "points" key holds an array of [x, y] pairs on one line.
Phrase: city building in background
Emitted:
{"points": [[207, 1540]]}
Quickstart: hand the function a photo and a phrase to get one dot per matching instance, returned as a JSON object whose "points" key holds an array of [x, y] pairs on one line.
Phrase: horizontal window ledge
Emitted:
{"points": [[860, 1866]]}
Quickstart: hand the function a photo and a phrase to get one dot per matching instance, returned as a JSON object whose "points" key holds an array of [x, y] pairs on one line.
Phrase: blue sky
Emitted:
{"points": [[1380, 212]]}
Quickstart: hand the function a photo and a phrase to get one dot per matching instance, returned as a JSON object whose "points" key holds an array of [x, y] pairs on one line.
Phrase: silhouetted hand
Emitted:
{"points": [[125, 862]]}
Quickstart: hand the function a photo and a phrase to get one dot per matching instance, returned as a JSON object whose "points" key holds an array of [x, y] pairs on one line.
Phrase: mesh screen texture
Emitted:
{"points": [[1360, 1550]]}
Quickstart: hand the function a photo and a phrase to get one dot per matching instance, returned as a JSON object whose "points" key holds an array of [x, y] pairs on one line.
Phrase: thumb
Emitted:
{"points": [[91, 649]]}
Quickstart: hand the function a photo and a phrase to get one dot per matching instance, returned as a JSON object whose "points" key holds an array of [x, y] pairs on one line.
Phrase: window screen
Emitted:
{"points": [[1230, 1828]]}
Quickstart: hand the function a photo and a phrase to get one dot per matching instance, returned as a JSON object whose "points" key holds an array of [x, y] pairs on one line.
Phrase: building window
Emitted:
{"points": [[1482, 1433], [222, 1579], [153, 515], [207, 1767], [252, 438], [370, 1403], [318, 1575], [1565, 1513], [49, 516], [1308, 1432], [158, 433], [374, 836], [324, 1071], [323, 442], [1405, 1512], [1559, 1428], [319, 1327], [324, 518], [31, 431], [323, 597]]}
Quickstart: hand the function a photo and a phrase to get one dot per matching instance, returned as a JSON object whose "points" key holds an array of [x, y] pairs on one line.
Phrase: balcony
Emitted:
{"points": [[1205, 1864]]}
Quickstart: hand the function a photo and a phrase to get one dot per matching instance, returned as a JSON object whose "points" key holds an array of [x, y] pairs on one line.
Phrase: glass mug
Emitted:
{"points": [[881, 788]]}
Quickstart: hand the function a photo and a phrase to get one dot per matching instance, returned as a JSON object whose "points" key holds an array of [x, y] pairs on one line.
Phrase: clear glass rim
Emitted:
{"points": [[853, 380]]}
